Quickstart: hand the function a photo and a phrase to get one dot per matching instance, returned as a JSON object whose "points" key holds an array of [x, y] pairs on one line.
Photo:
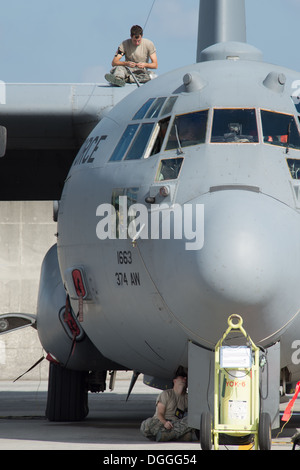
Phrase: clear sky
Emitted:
{"points": [[74, 41]]}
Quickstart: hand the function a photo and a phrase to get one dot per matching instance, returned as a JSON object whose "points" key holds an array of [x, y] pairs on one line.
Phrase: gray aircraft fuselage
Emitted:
{"points": [[154, 294]]}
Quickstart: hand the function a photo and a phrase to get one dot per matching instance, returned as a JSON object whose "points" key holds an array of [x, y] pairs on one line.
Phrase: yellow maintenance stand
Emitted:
{"points": [[237, 418]]}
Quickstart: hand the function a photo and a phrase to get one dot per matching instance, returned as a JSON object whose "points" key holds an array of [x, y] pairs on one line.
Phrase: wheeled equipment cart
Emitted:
{"points": [[236, 419]]}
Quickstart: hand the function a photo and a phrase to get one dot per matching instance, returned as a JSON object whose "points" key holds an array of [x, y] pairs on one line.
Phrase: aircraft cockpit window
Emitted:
{"points": [[168, 107], [157, 138], [294, 167], [155, 108], [143, 110], [140, 142], [280, 129], [188, 129], [124, 142], [234, 126], [296, 102], [297, 106], [169, 169], [145, 138]]}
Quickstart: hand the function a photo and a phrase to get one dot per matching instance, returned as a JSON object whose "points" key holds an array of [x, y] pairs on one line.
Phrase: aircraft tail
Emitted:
{"points": [[220, 21]]}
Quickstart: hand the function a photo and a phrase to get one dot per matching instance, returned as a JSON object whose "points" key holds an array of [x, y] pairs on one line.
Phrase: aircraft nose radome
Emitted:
{"points": [[244, 242], [249, 263]]}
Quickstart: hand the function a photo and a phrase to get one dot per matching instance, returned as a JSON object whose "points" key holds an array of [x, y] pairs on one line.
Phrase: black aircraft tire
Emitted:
{"points": [[67, 394], [206, 431], [264, 432]]}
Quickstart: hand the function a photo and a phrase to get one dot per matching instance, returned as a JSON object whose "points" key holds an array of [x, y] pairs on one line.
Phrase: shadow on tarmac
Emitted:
{"points": [[112, 424]]}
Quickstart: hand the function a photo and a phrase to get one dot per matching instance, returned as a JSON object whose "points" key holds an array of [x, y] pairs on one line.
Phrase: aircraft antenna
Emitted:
{"points": [[149, 15]]}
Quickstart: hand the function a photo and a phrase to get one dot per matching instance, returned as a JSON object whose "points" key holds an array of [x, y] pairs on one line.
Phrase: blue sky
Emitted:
{"points": [[74, 41]]}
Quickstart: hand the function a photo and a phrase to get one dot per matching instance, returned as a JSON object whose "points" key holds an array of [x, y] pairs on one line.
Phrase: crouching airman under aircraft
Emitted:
{"points": [[180, 209]]}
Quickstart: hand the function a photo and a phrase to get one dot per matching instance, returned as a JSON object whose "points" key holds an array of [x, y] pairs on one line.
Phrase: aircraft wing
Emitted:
{"points": [[42, 128]]}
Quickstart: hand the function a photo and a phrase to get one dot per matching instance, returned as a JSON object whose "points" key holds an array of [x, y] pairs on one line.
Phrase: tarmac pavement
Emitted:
{"points": [[111, 427]]}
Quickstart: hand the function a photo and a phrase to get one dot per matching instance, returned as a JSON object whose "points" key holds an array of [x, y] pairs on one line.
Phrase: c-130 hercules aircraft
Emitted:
{"points": [[180, 209]]}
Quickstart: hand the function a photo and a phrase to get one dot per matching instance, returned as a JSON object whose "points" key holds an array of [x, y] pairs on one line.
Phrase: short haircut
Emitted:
{"points": [[136, 30]]}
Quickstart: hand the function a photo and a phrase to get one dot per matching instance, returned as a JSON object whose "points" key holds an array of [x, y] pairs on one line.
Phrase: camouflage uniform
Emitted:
{"points": [[135, 54], [123, 73], [175, 412], [153, 429]]}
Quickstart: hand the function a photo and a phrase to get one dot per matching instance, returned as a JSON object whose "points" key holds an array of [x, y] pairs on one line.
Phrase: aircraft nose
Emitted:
{"points": [[244, 240], [249, 263]]}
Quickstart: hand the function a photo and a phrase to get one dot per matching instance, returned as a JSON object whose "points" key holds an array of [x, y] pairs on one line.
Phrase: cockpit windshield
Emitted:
{"points": [[280, 129], [188, 129], [234, 126], [145, 136], [153, 131]]}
